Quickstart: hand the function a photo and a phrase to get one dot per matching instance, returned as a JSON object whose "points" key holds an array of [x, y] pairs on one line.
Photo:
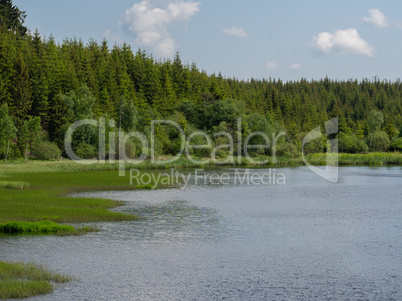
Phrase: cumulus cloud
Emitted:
{"points": [[377, 18], [342, 41], [295, 66], [271, 65], [236, 32], [108, 35], [150, 24]]}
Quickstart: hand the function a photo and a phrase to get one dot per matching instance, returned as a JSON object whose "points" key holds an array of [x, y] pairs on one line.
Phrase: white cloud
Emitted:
{"points": [[236, 32], [108, 35], [271, 65], [342, 41], [295, 66], [377, 18], [150, 24]]}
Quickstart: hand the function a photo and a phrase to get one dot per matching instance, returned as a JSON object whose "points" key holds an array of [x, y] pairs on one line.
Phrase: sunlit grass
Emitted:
{"points": [[22, 280], [393, 158], [13, 184], [40, 228], [46, 198]]}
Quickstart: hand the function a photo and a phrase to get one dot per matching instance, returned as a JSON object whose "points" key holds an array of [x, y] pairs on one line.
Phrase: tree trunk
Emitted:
{"points": [[8, 148]]}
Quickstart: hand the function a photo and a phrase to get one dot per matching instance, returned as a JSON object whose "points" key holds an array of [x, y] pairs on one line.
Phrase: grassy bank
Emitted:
{"points": [[41, 228], [45, 197], [21, 280], [370, 159]]}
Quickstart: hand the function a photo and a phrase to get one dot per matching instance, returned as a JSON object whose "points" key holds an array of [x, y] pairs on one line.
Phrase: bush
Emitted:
{"points": [[85, 151], [130, 150], [313, 146], [396, 144], [46, 151], [287, 150], [378, 141], [351, 144]]}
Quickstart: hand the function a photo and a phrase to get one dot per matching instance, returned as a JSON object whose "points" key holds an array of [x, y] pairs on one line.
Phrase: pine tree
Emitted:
{"points": [[7, 51], [21, 90], [11, 18]]}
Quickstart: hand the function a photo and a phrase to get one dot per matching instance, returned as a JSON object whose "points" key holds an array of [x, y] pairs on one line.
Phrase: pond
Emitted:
{"points": [[305, 239]]}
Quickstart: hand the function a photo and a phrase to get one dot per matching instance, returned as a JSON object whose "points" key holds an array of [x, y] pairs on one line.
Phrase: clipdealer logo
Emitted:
{"points": [[234, 145]]}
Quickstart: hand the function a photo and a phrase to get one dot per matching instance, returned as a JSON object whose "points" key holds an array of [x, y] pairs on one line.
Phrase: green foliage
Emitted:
{"points": [[7, 131], [11, 18], [86, 151], [375, 120], [128, 115], [378, 141], [45, 150], [314, 146], [79, 105], [396, 144], [351, 144], [30, 133], [287, 150], [63, 83]]}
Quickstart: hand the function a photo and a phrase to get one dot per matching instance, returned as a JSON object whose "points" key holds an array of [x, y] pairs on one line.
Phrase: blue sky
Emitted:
{"points": [[261, 39]]}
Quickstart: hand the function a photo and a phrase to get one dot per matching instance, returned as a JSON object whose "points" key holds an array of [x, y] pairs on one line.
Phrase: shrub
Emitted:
{"points": [[85, 151], [46, 151], [396, 144], [287, 150], [313, 146], [351, 144], [130, 150], [378, 141]]}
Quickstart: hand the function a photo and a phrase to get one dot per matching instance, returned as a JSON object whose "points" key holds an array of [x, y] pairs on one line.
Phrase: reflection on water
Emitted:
{"points": [[306, 240]]}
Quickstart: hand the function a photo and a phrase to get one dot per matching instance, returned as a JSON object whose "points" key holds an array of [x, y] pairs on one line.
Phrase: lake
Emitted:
{"points": [[305, 239]]}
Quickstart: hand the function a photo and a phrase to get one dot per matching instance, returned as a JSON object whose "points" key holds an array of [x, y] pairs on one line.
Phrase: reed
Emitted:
{"points": [[40, 228], [22, 280]]}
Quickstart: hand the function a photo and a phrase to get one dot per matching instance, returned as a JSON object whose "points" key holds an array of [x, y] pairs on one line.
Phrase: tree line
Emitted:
{"points": [[45, 86]]}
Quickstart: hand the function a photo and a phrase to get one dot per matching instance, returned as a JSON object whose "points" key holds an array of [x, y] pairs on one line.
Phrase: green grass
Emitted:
{"points": [[13, 184], [40, 228], [22, 280], [148, 186], [376, 159], [46, 198]]}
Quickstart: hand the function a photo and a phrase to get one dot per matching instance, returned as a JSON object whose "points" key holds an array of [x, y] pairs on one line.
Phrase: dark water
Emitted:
{"points": [[306, 240]]}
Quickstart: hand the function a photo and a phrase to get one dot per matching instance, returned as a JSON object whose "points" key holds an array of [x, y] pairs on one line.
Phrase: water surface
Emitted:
{"points": [[306, 240]]}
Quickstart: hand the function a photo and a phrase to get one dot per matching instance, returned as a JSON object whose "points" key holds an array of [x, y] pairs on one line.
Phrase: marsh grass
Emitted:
{"points": [[21, 280], [41, 228], [17, 289], [148, 187], [46, 198], [371, 159], [13, 184]]}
